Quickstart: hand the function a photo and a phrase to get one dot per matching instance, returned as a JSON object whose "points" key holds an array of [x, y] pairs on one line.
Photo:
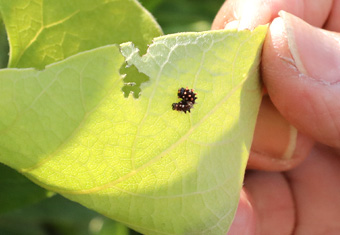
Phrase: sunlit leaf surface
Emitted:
{"points": [[70, 129]]}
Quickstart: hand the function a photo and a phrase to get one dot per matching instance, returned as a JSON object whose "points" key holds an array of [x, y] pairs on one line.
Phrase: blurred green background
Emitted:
{"points": [[59, 216], [183, 15]]}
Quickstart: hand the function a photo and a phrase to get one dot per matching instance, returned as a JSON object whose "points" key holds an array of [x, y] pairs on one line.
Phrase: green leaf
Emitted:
{"points": [[45, 31], [17, 191], [42, 32], [70, 129], [43, 109]]}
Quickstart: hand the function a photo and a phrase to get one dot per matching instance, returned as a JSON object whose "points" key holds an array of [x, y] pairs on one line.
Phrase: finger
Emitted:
{"points": [[316, 188], [277, 145], [271, 203], [301, 201], [250, 13], [333, 21], [301, 67], [244, 221]]}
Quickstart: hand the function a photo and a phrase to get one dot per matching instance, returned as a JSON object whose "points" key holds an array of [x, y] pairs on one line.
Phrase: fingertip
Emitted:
{"points": [[272, 200], [300, 67], [244, 221], [246, 14], [225, 15]]}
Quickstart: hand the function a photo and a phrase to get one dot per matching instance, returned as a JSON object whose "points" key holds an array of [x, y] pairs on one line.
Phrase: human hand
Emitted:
{"points": [[297, 135]]}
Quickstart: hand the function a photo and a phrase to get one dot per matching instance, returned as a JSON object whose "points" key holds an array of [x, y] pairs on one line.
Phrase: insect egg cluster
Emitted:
{"points": [[188, 100]]}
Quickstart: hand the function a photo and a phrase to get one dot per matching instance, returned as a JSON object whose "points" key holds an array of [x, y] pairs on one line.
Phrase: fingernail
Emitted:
{"points": [[252, 13], [244, 221], [247, 14], [316, 52], [280, 137], [232, 25]]}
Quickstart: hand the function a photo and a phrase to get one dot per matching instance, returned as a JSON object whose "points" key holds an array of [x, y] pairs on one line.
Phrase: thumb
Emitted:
{"points": [[301, 70]]}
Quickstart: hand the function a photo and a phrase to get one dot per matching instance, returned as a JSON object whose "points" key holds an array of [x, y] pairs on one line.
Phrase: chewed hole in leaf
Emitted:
{"points": [[132, 80]]}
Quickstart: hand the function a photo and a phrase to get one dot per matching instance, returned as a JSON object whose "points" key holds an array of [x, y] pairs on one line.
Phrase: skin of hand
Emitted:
{"points": [[292, 185]]}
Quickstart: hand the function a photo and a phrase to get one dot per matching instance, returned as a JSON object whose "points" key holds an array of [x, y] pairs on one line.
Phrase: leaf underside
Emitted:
{"points": [[42, 32], [70, 129]]}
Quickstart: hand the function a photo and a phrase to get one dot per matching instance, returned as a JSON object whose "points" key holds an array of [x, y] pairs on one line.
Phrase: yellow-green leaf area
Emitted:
{"points": [[45, 31], [137, 161], [41, 110]]}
